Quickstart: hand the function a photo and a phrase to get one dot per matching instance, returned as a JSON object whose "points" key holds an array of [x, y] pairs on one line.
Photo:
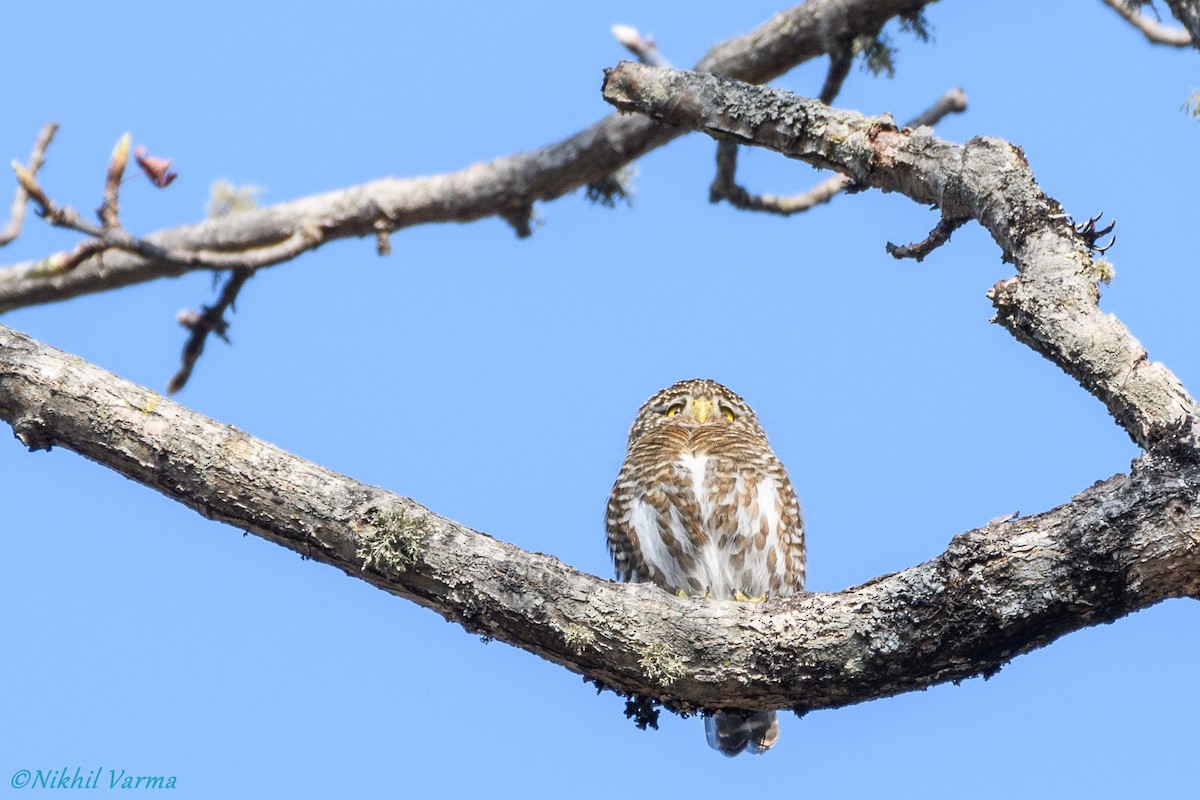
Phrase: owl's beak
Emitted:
{"points": [[702, 409]]}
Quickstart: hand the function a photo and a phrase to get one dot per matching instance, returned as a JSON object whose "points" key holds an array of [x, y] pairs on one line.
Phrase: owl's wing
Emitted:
{"points": [[623, 543], [652, 523]]}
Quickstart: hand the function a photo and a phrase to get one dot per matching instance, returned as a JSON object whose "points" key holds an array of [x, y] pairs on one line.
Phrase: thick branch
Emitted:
{"points": [[996, 592], [506, 187], [1050, 305]]}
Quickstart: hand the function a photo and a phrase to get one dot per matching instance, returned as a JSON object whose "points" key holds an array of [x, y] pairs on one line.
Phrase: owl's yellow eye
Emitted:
{"points": [[675, 409], [728, 412]]}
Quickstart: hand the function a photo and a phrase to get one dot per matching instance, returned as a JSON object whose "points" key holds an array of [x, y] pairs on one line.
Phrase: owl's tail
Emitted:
{"points": [[731, 733]]}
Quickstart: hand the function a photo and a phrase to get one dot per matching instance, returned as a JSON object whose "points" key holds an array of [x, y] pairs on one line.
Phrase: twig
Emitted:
{"points": [[110, 209], [644, 47], [1152, 29], [953, 101], [840, 61], [37, 157], [110, 235], [210, 319], [617, 185], [936, 238], [725, 185]]}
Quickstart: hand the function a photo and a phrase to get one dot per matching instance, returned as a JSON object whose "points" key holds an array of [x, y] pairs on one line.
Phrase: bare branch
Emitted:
{"points": [[726, 187], [1050, 304], [840, 61], [37, 157], [644, 47], [997, 591], [936, 238], [505, 187], [210, 319], [1152, 29], [110, 235], [954, 101]]}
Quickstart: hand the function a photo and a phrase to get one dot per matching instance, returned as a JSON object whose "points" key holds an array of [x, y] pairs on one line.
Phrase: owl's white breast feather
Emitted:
{"points": [[658, 560]]}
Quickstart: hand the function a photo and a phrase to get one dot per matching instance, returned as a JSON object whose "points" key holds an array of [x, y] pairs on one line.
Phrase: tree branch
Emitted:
{"points": [[936, 238], [210, 319], [1050, 304], [36, 159], [506, 187], [1152, 29], [725, 185], [996, 592], [1188, 14]]}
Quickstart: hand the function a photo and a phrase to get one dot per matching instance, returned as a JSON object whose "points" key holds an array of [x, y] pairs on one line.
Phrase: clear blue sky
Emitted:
{"points": [[493, 380]]}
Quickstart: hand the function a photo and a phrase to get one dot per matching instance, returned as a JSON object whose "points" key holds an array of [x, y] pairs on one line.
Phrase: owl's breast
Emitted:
{"points": [[708, 523]]}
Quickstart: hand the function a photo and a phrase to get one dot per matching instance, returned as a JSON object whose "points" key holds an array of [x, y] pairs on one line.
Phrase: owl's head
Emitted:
{"points": [[693, 403]]}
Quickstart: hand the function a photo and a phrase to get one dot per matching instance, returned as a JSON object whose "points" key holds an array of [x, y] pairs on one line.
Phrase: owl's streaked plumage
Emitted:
{"points": [[703, 507]]}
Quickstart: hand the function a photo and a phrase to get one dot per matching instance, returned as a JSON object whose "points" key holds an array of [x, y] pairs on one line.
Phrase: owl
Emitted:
{"points": [[703, 507]]}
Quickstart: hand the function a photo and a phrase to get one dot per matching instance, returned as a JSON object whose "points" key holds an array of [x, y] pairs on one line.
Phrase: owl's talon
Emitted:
{"points": [[681, 593], [742, 597]]}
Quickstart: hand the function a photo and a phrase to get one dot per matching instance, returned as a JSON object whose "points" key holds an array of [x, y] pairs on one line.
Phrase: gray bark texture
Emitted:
{"points": [[1050, 304], [998, 591], [506, 187]]}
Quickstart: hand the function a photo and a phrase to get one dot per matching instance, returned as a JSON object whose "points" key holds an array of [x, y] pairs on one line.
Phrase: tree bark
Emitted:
{"points": [[506, 187], [996, 592], [1050, 304]]}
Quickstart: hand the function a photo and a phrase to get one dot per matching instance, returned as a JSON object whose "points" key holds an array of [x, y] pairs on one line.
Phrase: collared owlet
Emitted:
{"points": [[703, 507]]}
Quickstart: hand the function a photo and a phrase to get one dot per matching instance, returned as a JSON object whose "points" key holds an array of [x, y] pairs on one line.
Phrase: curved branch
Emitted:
{"points": [[1050, 304], [506, 187], [725, 186], [996, 592], [1154, 31], [1188, 14]]}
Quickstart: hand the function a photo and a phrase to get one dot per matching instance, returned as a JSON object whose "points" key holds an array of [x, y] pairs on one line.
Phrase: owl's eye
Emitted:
{"points": [[728, 413], [674, 409]]}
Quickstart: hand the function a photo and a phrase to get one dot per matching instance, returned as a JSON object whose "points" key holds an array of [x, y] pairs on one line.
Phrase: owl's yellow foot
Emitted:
{"points": [[745, 598], [682, 593]]}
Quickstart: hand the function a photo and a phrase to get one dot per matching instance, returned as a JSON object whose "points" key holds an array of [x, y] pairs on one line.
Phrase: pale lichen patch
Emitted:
{"points": [[394, 541], [661, 664]]}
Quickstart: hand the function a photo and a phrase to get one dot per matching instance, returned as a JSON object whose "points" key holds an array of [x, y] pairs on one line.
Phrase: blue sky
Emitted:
{"points": [[494, 379]]}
